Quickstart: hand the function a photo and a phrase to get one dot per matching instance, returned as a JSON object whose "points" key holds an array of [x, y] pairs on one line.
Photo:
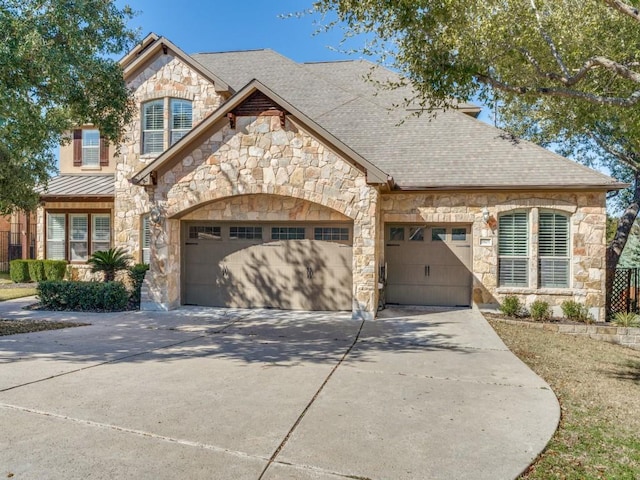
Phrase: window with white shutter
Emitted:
{"points": [[79, 237], [146, 240], [181, 118], [56, 227], [153, 127], [513, 250], [553, 250], [100, 232]]}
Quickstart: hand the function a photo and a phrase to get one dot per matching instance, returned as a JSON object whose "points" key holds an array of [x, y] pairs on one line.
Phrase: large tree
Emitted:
{"points": [[56, 72], [565, 70]]}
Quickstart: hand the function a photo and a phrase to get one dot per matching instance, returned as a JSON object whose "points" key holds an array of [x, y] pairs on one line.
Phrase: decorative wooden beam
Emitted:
{"points": [[283, 118]]}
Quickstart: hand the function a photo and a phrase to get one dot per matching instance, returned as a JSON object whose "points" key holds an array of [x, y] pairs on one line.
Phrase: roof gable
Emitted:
{"points": [[248, 100]]}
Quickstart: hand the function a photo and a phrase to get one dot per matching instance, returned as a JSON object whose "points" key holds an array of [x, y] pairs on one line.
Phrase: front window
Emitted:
{"points": [[100, 233], [56, 233], [90, 148], [513, 251], [553, 250], [78, 237], [153, 127], [75, 236], [146, 239]]}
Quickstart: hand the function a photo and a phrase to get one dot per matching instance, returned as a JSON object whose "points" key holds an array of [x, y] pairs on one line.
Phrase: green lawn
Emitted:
{"points": [[9, 293], [598, 386]]}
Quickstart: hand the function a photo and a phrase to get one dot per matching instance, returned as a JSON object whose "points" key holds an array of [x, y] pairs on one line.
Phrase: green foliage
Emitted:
{"points": [[36, 270], [55, 269], [83, 296], [563, 73], [19, 271], [59, 70], [626, 319], [512, 306], [540, 311], [576, 312], [109, 262], [136, 275]]}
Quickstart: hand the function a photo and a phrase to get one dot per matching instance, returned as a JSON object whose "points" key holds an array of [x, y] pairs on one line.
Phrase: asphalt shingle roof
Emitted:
{"points": [[80, 185], [451, 149]]}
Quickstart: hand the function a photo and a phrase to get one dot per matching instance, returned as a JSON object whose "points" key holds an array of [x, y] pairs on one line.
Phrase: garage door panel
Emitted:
{"points": [[434, 270], [284, 274]]}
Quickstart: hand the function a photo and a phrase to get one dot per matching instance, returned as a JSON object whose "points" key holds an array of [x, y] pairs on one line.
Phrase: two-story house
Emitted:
{"points": [[249, 180]]}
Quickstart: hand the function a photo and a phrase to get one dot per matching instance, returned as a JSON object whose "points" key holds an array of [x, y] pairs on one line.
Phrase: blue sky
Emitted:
{"points": [[214, 26]]}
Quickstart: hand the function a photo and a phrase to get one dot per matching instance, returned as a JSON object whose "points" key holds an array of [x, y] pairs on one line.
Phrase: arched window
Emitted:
{"points": [[513, 250], [553, 250]]}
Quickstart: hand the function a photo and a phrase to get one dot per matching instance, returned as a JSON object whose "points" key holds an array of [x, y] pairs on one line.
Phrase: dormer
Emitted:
{"points": [[87, 152]]}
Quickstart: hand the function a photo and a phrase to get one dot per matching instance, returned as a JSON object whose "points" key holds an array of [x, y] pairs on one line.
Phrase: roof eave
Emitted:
{"points": [[133, 65], [575, 187]]}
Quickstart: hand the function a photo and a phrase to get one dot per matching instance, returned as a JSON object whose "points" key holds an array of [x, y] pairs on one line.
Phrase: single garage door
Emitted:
{"points": [[428, 265], [284, 266]]}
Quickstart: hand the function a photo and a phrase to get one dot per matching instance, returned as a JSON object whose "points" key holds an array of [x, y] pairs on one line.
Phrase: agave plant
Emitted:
{"points": [[109, 262]]}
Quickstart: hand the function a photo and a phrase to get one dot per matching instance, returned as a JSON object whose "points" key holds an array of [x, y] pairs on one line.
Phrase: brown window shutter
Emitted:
{"points": [[104, 152], [77, 148]]}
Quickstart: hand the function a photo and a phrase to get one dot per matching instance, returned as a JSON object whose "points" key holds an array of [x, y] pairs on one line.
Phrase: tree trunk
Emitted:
{"points": [[615, 248]]}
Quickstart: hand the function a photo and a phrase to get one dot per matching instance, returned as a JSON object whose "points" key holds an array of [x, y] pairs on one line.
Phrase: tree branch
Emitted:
{"points": [[549, 40], [624, 8], [629, 101]]}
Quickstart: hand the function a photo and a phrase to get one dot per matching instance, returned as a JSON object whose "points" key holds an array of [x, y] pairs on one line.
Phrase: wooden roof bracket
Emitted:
{"points": [[232, 120]]}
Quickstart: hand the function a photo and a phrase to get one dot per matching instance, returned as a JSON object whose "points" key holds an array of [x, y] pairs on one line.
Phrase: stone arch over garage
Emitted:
{"points": [[261, 157]]}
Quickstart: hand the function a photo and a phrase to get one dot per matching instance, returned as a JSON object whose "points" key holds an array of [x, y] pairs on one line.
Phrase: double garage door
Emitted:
{"points": [[285, 266], [428, 265]]}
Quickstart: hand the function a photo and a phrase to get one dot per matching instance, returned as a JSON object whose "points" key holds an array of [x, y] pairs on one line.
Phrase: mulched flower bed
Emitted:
{"points": [[12, 327]]}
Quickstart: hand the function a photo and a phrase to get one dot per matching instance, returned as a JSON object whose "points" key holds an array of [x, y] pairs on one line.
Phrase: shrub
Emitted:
{"points": [[576, 312], [109, 262], [19, 271], [540, 311], [83, 296], [36, 270], [626, 319], [136, 275], [511, 306], [55, 269]]}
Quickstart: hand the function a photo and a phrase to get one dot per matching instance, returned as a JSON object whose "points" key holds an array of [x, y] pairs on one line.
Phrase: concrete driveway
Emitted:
{"points": [[262, 394]]}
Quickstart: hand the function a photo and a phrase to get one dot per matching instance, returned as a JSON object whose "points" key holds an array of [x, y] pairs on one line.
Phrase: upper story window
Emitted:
{"points": [[181, 119], [513, 250], [154, 128], [89, 149]]}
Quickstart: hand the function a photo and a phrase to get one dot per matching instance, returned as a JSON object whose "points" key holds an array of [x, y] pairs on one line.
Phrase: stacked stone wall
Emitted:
{"points": [[587, 230]]}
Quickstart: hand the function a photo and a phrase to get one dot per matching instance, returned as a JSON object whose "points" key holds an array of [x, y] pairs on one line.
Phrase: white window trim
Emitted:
{"points": [[86, 148]]}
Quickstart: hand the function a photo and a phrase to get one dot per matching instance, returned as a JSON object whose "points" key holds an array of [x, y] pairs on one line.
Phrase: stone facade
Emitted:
{"points": [[279, 172], [587, 214]]}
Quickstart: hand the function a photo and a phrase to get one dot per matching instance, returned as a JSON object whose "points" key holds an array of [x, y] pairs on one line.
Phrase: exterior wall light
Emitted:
{"points": [[486, 215], [154, 215]]}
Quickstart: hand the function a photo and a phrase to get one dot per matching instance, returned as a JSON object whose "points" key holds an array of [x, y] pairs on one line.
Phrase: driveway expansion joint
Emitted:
{"points": [[140, 433], [311, 402]]}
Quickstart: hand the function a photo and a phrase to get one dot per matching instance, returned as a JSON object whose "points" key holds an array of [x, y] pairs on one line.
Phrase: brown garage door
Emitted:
{"points": [[290, 266], [428, 265]]}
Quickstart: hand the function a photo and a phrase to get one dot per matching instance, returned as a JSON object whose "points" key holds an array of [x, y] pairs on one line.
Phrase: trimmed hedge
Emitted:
{"points": [[36, 270], [23, 271], [19, 271], [55, 269], [83, 296]]}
